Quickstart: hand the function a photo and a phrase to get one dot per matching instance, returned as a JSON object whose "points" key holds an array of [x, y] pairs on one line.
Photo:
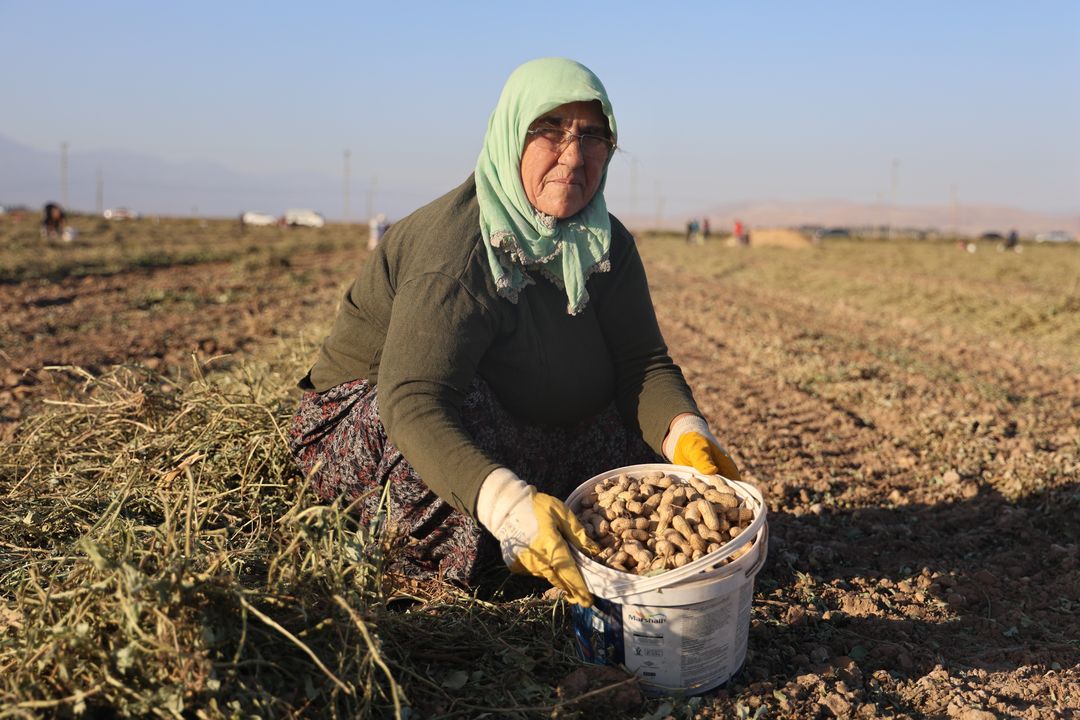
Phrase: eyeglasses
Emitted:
{"points": [[556, 140]]}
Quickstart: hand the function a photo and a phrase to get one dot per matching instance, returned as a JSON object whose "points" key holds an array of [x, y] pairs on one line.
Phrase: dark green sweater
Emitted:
{"points": [[423, 317]]}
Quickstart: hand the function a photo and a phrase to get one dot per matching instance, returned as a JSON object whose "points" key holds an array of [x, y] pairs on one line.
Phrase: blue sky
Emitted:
{"points": [[717, 102]]}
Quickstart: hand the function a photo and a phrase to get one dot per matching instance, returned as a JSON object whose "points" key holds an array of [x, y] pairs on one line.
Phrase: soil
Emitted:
{"points": [[166, 319], [923, 506], [904, 576]]}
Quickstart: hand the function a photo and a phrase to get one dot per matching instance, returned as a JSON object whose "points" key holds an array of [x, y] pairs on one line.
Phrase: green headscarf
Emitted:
{"points": [[516, 235]]}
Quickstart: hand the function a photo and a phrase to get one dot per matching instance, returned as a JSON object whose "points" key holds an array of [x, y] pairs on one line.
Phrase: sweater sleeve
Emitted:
{"points": [[436, 336], [650, 387]]}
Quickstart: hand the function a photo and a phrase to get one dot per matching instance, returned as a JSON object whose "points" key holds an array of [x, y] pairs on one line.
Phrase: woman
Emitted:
{"points": [[498, 348]]}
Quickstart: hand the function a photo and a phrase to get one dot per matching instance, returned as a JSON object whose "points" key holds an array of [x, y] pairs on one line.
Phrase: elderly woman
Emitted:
{"points": [[498, 348]]}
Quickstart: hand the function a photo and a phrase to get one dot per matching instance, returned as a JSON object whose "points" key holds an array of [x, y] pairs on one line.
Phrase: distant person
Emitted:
{"points": [[54, 224], [741, 233], [377, 227], [705, 229], [692, 229], [1012, 240], [498, 348]]}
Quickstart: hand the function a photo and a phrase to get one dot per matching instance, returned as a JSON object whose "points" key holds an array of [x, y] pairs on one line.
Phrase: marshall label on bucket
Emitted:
{"points": [[678, 647]]}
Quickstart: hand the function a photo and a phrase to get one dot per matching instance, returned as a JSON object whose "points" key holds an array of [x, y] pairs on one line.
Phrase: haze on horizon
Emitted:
{"points": [[914, 104]]}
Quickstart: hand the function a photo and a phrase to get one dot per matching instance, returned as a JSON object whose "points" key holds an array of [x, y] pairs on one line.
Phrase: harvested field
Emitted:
{"points": [[910, 412]]}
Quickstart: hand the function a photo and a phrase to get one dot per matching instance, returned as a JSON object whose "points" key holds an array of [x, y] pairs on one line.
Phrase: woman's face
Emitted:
{"points": [[562, 182]]}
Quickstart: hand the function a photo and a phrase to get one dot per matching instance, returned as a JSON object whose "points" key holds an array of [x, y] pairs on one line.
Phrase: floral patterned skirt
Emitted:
{"points": [[339, 441]]}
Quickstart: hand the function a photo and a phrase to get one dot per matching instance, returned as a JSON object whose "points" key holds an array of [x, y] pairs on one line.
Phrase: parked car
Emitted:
{"points": [[1055, 236], [992, 237], [261, 219], [305, 218], [120, 213], [832, 234]]}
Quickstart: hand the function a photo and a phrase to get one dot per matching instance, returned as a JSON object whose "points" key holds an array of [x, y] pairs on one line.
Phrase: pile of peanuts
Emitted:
{"points": [[652, 523]]}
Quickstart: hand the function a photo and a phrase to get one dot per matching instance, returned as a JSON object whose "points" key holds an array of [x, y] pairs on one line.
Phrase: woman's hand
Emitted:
{"points": [[534, 531], [692, 444]]}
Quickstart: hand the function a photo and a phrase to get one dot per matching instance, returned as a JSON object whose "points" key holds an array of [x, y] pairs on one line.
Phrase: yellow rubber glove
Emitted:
{"points": [[534, 531], [548, 555], [695, 446]]}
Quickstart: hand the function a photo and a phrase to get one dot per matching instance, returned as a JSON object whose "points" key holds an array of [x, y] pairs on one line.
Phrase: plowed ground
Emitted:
{"points": [[911, 413]]}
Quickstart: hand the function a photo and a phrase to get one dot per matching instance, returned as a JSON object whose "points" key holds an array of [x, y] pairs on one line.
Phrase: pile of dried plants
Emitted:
{"points": [[160, 556]]}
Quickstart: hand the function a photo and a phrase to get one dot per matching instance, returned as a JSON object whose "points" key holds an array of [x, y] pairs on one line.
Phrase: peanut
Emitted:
{"points": [[653, 522], [681, 525], [665, 547], [723, 499], [692, 513], [698, 543], [708, 515], [665, 516]]}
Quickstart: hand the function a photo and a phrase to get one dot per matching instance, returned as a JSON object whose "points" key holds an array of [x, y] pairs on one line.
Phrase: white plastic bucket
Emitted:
{"points": [[684, 631]]}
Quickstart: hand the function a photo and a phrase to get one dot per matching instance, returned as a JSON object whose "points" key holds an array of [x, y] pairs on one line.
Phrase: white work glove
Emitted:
{"points": [[689, 442], [533, 530]]}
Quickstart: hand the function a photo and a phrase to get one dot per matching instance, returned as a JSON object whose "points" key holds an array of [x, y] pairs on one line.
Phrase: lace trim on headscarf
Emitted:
{"points": [[506, 288], [507, 243], [600, 266], [514, 261]]}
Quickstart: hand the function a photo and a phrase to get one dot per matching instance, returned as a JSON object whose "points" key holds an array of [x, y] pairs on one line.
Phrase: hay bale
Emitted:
{"points": [[778, 237]]}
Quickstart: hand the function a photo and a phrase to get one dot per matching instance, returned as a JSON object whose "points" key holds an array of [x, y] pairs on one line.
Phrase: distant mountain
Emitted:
{"points": [[151, 185], [965, 219]]}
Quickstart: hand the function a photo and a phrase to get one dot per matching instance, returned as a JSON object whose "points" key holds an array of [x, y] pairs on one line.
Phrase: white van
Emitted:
{"points": [[306, 218], [260, 219]]}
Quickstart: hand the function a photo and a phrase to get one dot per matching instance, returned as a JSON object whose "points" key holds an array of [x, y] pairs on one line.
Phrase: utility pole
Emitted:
{"points": [[348, 154], [371, 197], [100, 193], [64, 175]]}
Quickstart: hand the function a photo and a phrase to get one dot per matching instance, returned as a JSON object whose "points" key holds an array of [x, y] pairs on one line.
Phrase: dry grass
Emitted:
{"points": [[160, 557], [105, 248], [1032, 297]]}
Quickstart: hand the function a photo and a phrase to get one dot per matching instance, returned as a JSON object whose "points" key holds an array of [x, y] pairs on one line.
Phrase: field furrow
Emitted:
{"points": [[911, 414]]}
